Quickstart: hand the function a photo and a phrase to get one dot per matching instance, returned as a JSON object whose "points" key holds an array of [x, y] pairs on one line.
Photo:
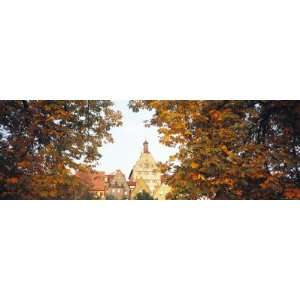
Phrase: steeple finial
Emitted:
{"points": [[146, 147]]}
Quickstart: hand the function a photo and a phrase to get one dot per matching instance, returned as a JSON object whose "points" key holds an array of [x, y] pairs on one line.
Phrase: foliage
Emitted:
{"points": [[41, 142], [110, 197], [143, 196], [229, 149]]}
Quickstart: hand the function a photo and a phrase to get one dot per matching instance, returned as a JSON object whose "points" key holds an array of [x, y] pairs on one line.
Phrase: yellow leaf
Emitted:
{"points": [[201, 177], [194, 165]]}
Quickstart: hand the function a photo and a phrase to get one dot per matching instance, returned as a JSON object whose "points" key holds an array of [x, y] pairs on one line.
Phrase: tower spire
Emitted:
{"points": [[146, 147]]}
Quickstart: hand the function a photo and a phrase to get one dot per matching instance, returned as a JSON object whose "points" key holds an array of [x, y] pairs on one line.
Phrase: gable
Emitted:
{"points": [[140, 186]]}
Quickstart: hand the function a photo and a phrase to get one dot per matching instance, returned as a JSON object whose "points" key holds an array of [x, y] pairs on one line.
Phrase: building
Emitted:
{"points": [[139, 188], [95, 181], [117, 186], [147, 169], [106, 186], [132, 185]]}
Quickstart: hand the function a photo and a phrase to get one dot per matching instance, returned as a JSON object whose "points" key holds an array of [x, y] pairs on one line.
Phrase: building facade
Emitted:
{"points": [[117, 186], [139, 188], [147, 169]]}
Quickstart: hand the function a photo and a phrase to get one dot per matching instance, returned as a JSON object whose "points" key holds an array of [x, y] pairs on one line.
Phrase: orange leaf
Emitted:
{"points": [[12, 180], [194, 165]]}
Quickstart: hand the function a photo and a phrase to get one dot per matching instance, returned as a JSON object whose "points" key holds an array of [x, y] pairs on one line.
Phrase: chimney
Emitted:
{"points": [[146, 149]]}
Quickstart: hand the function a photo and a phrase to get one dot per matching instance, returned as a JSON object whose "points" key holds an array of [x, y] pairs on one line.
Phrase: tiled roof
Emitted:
{"points": [[95, 180], [131, 183]]}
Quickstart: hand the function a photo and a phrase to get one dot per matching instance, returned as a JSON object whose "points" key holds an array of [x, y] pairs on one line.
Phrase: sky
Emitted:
{"points": [[128, 142]]}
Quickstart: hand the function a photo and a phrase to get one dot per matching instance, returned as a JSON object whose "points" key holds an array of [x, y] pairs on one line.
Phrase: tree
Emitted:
{"points": [[143, 196], [110, 197], [229, 149], [43, 142]]}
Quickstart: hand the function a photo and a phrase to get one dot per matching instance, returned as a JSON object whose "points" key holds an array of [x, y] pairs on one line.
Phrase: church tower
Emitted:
{"points": [[146, 168], [146, 147]]}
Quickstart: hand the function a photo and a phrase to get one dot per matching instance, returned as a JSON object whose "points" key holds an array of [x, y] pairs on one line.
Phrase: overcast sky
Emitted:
{"points": [[128, 142]]}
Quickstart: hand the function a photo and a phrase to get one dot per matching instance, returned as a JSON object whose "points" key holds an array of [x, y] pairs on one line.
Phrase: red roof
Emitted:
{"points": [[95, 180], [131, 183]]}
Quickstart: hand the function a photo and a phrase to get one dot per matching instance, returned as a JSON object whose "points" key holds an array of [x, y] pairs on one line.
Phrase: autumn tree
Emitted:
{"points": [[229, 149], [143, 196], [42, 142]]}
